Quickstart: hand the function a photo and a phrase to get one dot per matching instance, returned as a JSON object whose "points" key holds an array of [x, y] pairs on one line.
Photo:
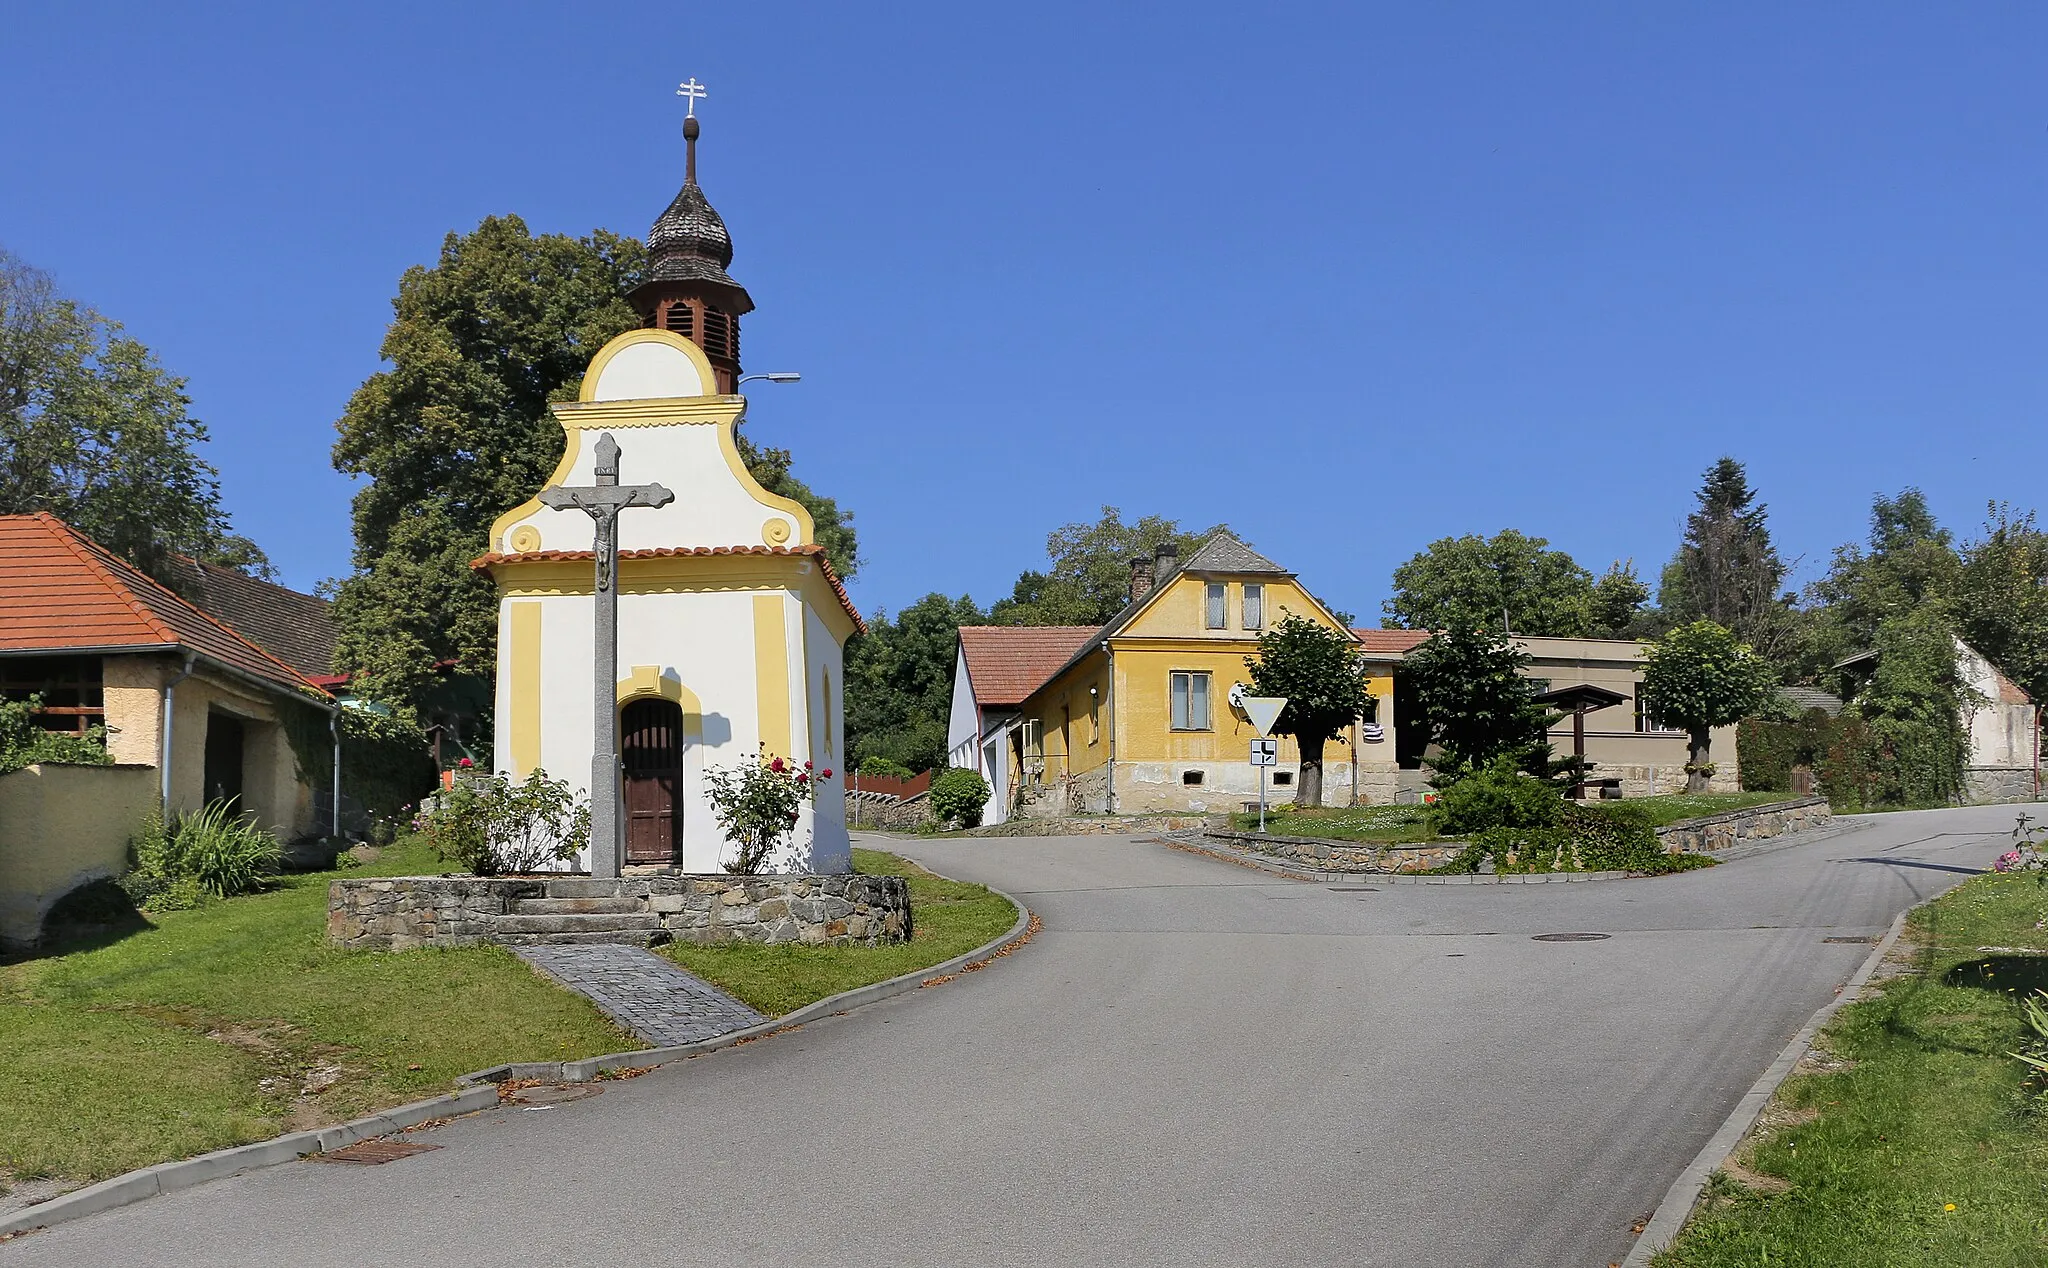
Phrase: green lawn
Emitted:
{"points": [[207, 1029], [236, 1021], [1926, 1146], [1389, 825], [1673, 807], [948, 918]]}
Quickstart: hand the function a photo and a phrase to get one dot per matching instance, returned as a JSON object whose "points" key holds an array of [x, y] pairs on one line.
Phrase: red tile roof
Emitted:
{"points": [[663, 552], [296, 628], [1006, 663], [1390, 642], [62, 591]]}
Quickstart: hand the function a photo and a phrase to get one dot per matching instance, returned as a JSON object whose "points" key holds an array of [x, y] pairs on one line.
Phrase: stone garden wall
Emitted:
{"points": [[401, 912], [1718, 832], [1345, 856]]}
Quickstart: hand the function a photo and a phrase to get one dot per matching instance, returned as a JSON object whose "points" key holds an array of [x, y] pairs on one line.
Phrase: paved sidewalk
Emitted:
{"points": [[643, 992]]}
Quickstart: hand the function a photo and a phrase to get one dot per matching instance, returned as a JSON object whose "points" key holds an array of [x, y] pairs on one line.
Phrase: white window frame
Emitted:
{"points": [[1252, 605], [1182, 698], [1216, 606]]}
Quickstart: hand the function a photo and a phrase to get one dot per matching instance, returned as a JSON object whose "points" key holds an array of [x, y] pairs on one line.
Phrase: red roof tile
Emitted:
{"points": [[1006, 663], [62, 591], [660, 552], [1390, 642]]}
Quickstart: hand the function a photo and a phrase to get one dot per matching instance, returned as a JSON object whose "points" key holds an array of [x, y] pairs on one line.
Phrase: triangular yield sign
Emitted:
{"points": [[1264, 711]]}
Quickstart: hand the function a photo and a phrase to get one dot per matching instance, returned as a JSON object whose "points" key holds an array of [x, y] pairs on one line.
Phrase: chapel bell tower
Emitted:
{"points": [[687, 290]]}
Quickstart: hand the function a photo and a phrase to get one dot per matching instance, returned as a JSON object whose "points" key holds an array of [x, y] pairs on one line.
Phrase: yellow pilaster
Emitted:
{"points": [[525, 661], [771, 673]]}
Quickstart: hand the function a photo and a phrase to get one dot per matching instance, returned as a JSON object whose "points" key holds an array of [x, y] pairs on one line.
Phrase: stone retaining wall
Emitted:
{"points": [[401, 912], [1988, 785], [1718, 832], [887, 813], [1346, 856]]}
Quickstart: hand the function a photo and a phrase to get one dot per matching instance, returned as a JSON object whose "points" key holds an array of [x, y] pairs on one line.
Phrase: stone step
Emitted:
{"points": [[557, 905], [581, 887], [621, 937], [588, 922]]}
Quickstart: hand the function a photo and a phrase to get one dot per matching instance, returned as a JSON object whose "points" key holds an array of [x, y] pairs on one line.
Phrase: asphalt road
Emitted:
{"points": [[1194, 1063]]}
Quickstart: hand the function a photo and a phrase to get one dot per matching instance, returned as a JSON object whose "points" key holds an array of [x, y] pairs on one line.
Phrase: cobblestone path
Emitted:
{"points": [[643, 992]]}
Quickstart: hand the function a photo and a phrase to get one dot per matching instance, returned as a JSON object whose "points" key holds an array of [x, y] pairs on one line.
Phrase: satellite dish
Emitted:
{"points": [[1237, 696]]}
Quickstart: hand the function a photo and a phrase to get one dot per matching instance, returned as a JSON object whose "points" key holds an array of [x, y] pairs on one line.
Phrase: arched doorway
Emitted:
{"points": [[651, 750]]}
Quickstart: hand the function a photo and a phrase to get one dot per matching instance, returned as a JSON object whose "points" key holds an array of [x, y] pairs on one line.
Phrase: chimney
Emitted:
{"points": [[1165, 562], [1141, 578]]}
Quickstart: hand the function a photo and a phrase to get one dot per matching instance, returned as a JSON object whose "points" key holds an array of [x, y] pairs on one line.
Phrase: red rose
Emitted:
{"points": [[776, 766], [465, 763], [807, 765], [828, 773]]}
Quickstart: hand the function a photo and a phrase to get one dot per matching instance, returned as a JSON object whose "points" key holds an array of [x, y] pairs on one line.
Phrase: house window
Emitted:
{"points": [[1648, 723], [1190, 696], [67, 686], [1216, 605], [1094, 720], [1255, 607], [1034, 750], [1191, 779]]}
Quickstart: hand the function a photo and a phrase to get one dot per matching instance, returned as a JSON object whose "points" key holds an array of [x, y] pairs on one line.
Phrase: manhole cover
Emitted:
{"points": [[1354, 889], [369, 1153], [1570, 937], [1860, 940]]}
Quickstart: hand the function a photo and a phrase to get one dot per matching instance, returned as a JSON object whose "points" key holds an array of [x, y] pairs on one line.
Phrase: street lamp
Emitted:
{"points": [[786, 376]]}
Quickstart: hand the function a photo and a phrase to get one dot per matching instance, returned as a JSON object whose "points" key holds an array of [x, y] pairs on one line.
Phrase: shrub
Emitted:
{"points": [[959, 796], [23, 743], [1497, 795], [884, 768], [210, 851], [1606, 838], [758, 803], [489, 825]]}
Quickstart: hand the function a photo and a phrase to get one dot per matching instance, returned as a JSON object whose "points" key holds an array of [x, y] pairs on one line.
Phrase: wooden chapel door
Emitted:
{"points": [[651, 747]]}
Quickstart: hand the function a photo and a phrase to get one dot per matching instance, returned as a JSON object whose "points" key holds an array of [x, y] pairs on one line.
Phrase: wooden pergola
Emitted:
{"points": [[1580, 700]]}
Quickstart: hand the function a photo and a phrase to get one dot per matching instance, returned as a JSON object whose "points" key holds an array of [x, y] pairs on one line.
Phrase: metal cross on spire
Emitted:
{"points": [[603, 501], [694, 91]]}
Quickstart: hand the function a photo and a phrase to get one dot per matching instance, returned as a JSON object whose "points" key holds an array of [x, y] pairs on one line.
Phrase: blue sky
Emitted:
{"points": [[1350, 277]]}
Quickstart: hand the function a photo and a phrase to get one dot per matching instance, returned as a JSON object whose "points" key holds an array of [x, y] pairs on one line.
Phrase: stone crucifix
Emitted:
{"points": [[602, 503]]}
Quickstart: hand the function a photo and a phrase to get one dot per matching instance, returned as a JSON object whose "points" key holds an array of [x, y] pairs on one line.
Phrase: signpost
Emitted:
{"points": [[1263, 712]]}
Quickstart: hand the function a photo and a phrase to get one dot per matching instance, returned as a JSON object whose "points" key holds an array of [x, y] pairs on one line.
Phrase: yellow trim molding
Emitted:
{"points": [[523, 622], [771, 673], [681, 574], [775, 532], [586, 391], [524, 538]]}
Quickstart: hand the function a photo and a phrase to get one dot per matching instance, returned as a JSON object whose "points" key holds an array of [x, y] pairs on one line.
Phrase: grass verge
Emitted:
{"points": [[948, 918], [1674, 807], [1380, 825], [236, 1021], [1910, 1134]]}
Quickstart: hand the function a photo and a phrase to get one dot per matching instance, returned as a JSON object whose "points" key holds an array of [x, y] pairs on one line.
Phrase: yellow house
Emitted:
{"points": [[1138, 717]]}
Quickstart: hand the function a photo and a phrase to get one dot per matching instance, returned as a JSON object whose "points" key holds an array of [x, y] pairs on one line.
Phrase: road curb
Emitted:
{"points": [[647, 1058], [482, 1093], [1685, 1192], [166, 1177]]}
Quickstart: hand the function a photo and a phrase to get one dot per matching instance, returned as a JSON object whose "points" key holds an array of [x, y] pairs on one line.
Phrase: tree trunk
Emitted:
{"points": [[1696, 760], [1309, 788]]}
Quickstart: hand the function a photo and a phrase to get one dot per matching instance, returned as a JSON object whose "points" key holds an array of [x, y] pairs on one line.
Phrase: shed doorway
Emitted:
{"points": [[651, 750], [223, 759]]}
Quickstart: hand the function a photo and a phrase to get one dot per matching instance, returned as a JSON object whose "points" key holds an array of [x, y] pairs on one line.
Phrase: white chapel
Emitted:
{"points": [[731, 621]]}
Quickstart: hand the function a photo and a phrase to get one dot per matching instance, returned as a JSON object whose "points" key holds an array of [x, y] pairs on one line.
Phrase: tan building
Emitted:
{"points": [[203, 710], [1628, 747]]}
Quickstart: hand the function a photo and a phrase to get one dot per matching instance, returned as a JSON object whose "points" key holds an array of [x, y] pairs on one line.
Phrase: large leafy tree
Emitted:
{"points": [[899, 682], [1700, 676], [1913, 700], [2000, 602], [1728, 571], [1319, 671], [97, 433], [1507, 578], [1089, 577], [1908, 562], [457, 431], [1475, 702]]}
